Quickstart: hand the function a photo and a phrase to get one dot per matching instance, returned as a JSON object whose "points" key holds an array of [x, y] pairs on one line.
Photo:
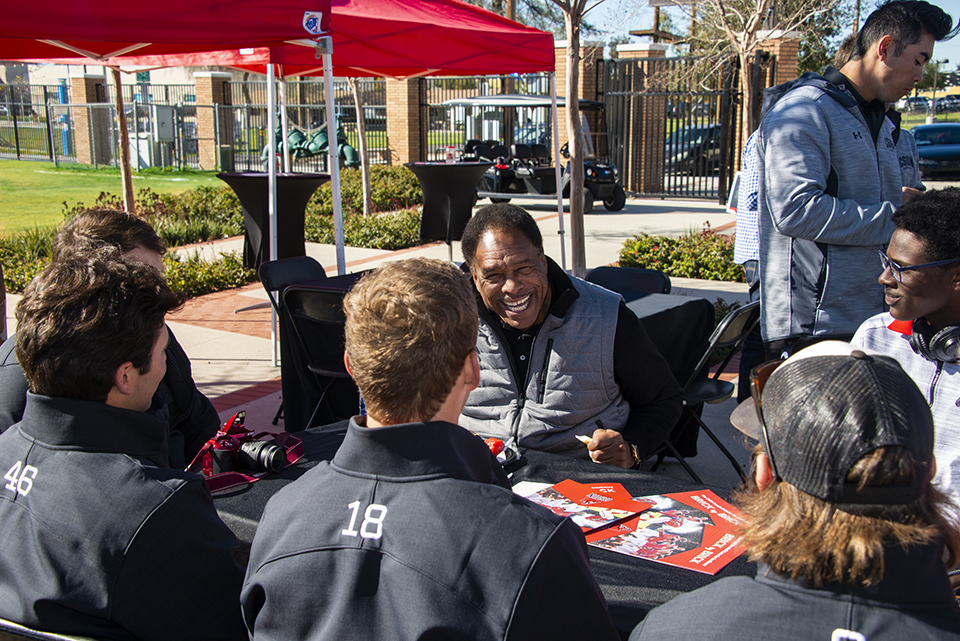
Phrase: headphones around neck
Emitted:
{"points": [[944, 346]]}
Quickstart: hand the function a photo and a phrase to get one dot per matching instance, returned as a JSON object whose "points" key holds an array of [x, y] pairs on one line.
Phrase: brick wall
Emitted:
{"points": [[211, 89], [91, 128], [403, 121]]}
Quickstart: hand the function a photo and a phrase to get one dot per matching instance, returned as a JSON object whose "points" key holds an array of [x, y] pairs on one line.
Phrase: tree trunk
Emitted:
{"points": [[126, 177], [748, 123], [362, 133], [575, 143]]}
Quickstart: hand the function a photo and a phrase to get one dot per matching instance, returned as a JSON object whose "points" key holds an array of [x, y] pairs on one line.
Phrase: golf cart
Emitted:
{"points": [[522, 166]]}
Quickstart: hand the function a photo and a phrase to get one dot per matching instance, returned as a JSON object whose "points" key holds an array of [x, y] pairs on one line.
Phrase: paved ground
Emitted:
{"points": [[231, 352]]}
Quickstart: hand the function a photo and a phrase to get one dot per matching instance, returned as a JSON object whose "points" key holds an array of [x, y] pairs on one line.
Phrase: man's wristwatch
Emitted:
{"points": [[636, 459]]}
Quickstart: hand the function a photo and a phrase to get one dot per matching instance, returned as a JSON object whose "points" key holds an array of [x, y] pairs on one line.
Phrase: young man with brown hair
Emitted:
{"points": [[98, 536], [191, 416], [849, 533], [411, 531]]}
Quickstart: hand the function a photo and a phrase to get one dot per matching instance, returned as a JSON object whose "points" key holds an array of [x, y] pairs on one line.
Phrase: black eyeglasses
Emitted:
{"points": [[897, 270], [759, 376]]}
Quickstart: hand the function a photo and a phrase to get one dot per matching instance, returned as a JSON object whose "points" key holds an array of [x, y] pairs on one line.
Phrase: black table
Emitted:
{"points": [[300, 388], [449, 192], [293, 193], [680, 327], [631, 586]]}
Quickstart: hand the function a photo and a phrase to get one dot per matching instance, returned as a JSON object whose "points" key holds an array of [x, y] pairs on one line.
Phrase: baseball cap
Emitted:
{"points": [[828, 406]]}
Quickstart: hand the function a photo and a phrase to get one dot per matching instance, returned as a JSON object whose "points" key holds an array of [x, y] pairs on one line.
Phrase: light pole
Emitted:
{"points": [[933, 103]]}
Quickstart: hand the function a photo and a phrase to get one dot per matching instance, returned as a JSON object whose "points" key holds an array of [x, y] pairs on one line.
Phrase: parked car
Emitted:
{"points": [[939, 147], [694, 150], [914, 103], [948, 104]]}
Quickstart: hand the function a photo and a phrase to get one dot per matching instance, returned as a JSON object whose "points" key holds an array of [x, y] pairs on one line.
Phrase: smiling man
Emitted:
{"points": [[830, 180], [921, 283], [560, 358]]}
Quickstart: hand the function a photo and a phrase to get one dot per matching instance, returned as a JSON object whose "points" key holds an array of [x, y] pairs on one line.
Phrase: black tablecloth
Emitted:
{"points": [[680, 327], [293, 193], [449, 192], [631, 586]]}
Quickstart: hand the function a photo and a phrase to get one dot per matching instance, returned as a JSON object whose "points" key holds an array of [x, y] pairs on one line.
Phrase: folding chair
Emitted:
{"points": [[10, 631], [318, 321], [702, 388], [275, 275], [630, 280]]}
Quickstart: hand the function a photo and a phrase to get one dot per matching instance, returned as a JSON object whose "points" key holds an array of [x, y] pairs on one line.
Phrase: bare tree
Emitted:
{"points": [[573, 12], [725, 28], [362, 133]]}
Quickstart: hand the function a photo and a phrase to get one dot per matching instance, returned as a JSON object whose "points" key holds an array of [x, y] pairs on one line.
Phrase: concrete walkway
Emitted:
{"points": [[231, 352]]}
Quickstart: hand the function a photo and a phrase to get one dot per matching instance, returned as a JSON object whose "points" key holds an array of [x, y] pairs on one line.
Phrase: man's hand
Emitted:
{"points": [[609, 448], [908, 193]]}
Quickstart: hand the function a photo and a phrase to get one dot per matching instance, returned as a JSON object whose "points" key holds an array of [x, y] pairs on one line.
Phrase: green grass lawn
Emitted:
{"points": [[32, 193]]}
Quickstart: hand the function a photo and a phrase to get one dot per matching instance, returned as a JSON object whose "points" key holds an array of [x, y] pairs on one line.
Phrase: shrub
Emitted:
{"points": [[194, 276], [391, 188], [393, 230], [703, 254]]}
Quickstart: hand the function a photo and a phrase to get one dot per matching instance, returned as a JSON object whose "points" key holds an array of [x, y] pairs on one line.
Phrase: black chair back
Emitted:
{"points": [[276, 275], [499, 151], [730, 333], [484, 151], [627, 280], [318, 322], [520, 151]]}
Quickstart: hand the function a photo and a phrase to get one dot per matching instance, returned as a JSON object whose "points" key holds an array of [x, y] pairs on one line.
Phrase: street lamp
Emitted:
{"points": [[933, 103]]}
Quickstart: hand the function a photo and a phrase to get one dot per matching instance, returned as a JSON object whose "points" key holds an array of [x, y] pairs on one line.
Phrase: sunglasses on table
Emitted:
{"points": [[898, 270], [759, 376]]}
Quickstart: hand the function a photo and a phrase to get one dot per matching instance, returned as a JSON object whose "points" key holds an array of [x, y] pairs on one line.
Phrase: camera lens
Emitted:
{"points": [[262, 456]]}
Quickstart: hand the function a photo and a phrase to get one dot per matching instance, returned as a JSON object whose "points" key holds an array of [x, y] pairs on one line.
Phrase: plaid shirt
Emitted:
{"points": [[747, 243]]}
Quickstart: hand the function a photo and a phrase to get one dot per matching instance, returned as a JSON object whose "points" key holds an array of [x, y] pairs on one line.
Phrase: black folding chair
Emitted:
{"points": [[10, 631], [275, 275], [318, 322], [702, 388], [630, 280]]}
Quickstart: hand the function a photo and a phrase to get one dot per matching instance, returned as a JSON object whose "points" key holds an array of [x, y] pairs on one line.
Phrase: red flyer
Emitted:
{"points": [[589, 506], [693, 530]]}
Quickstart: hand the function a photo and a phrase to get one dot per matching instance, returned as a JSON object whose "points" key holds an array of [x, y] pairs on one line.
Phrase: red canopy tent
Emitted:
{"points": [[100, 29], [392, 38]]}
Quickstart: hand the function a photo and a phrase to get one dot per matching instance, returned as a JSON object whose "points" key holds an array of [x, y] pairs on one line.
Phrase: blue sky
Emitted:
{"points": [[616, 17]]}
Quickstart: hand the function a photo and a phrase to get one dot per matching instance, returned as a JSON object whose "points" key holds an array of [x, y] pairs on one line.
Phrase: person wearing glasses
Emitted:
{"points": [[852, 539], [831, 179], [921, 282]]}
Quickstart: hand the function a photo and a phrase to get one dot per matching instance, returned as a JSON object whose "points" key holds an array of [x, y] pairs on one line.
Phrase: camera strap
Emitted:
{"points": [[229, 480]]}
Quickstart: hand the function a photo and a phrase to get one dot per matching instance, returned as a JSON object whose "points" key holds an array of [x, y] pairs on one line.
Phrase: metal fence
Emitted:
{"points": [[666, 137], [163, 125]]}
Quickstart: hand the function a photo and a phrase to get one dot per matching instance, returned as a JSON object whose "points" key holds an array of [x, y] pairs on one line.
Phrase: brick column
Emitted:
{"points": [[91, 127], [211, 91], [403, 121], [785, 45], [645, 130]]}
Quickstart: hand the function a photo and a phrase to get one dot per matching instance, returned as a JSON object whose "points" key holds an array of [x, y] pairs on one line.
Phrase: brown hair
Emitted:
{"points": [[410, 325], [85, 315], [812, 540], [98, 226]]}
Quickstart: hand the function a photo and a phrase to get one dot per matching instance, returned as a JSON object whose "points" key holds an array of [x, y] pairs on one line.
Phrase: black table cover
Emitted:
{"points": [[293, 193], [449, 192], [631, 586]]}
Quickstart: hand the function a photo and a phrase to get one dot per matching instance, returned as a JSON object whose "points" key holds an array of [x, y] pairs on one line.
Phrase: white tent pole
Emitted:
{"points": [[286, 127], [333, 155], [272, 190], [556, 157]]}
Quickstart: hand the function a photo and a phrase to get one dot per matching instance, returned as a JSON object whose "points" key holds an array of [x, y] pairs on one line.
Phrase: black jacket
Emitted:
{"points": [[191, 416], [99, 538], [410, 533], [913, 601]]}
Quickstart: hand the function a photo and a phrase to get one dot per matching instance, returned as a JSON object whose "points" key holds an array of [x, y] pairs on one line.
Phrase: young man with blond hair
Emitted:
{"points": [[411, 531]]}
